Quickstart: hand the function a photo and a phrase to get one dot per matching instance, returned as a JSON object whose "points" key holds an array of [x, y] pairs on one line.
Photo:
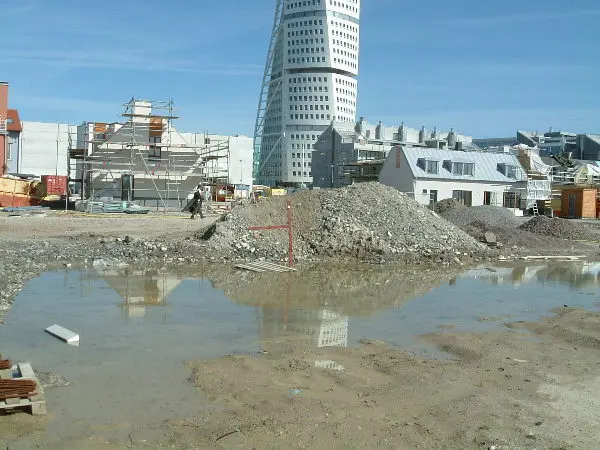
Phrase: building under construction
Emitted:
{"points": [[145, 159]]}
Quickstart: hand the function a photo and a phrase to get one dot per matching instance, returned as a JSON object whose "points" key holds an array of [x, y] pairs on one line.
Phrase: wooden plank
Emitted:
{"points": [[267, 267], [248, 267], [63, 334], [36, 403], [26, 370], [571, 258]]}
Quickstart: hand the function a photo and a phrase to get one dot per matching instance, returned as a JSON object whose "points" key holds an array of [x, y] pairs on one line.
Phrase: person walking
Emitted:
{"points": [[196, 206]]}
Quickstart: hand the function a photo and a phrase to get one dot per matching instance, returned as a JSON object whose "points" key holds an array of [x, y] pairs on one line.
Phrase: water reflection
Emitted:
{"points": [[574, 275], [283, 330], [140, 289]]}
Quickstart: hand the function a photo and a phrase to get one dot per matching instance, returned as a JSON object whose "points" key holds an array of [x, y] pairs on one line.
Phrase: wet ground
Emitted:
{"points": [[138, 328]]}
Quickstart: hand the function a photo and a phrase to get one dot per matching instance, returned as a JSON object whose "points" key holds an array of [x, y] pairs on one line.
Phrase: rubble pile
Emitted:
{"points": [[365, 221], [558, 228], [482, 217], [444, 206]]}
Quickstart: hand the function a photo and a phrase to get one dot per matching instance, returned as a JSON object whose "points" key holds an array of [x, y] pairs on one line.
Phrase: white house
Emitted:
{"points": [[474, 178]]}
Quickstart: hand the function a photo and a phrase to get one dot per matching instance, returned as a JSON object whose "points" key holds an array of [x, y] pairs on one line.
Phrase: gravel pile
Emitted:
{"points": [[484, 217], [558, 228], [446, 205], [365, 221]]}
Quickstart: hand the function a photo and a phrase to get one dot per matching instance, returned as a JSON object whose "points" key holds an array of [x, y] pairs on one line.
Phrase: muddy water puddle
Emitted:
{"points": [[139, 327]]}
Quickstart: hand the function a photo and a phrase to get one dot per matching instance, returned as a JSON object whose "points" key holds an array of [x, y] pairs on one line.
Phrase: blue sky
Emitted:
{"points": [[485, 68]]}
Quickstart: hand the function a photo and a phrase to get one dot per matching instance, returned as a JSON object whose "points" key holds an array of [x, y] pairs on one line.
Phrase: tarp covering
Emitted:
{"points": [[538, 190], [539, 166]]}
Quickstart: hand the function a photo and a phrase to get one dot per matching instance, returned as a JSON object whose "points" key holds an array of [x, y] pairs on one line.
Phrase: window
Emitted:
{"points": [[464, 197], [511, 200], [460, 168], [431, 167], [487, 198], [154, 149]]}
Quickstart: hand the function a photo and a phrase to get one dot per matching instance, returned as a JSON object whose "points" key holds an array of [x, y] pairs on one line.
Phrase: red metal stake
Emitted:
{"points": [[290, 234], [283, 227]]}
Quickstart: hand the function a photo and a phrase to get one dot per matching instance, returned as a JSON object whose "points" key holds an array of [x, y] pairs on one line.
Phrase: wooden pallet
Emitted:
{"points": [[34, 405], [264, 266]]}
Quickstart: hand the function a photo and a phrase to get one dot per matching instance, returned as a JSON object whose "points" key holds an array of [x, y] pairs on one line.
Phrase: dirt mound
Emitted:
{"points": [[484, 216], [448, 204], [558, 228], [366, 221]]}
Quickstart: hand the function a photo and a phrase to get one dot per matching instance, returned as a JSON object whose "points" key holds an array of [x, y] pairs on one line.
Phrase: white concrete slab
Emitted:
{"points": [[63, 334]]}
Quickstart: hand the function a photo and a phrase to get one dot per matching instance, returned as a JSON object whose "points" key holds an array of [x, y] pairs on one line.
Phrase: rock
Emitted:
{"points": [[490, 238]]}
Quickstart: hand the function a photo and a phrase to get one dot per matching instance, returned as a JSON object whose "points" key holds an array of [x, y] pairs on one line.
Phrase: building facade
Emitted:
{"points": [[147, 160], [347, 153], [473, 178], [3, 126], [14, 128], [310, 80]]}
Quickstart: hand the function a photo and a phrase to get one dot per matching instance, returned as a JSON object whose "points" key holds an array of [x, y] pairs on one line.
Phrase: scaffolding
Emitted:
{"points": [[268, 137], [144, 159]]}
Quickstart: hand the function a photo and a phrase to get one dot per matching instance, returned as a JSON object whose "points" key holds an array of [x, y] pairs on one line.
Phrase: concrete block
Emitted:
{"points": [[63, 334]]}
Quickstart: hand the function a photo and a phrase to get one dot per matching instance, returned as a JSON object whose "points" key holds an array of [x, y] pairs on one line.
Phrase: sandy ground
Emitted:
{"points": [[60, 225], [536, 385], [507, 390]]}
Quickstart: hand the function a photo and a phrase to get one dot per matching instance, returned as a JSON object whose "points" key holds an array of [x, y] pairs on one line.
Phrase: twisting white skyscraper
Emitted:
{"points": [[309, 81]]}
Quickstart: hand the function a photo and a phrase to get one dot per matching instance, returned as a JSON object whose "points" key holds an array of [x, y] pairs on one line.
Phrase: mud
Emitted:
{"points": [[503, 389]]}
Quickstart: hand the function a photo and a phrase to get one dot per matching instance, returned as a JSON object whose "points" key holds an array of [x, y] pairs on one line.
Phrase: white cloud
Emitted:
{"points": [[111, 59]]}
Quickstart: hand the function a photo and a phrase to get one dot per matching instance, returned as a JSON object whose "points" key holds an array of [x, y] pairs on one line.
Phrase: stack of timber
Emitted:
{"points": [[21, 390]]}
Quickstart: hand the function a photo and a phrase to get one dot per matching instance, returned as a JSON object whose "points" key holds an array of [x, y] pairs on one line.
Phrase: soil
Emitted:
{"points": [[504, 389], [62, 225], [536, 385]]}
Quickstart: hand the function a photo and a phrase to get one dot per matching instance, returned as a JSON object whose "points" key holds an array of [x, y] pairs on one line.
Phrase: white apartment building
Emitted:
{"points": [[310, 81]]}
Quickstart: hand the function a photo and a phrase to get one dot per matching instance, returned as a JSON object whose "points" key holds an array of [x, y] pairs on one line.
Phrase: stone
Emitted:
{"points": [[490, 238]]}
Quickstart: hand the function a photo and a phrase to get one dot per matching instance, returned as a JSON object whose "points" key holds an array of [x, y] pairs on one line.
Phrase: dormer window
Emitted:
{"points": [[508, 170], [463, 169], [430, 166]]}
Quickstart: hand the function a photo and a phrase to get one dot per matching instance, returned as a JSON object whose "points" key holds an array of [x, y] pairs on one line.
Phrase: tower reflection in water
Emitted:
{"points": [[283, 331]]}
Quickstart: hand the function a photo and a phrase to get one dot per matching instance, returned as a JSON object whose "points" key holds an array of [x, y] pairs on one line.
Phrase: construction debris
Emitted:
{"points": [[5, 364], [21, 390], [365, 221], [481, 217], [558, 228], [63, 334]]}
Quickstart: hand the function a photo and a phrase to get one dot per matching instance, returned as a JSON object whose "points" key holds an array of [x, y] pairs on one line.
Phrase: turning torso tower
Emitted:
{"points": [[310, 80]]}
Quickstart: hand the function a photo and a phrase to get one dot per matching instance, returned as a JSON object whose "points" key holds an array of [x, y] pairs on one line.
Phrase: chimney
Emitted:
{"points": [[402, 133], [434, 133], [452, 139], [422, 135], [379, 131], [361, 126]]}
